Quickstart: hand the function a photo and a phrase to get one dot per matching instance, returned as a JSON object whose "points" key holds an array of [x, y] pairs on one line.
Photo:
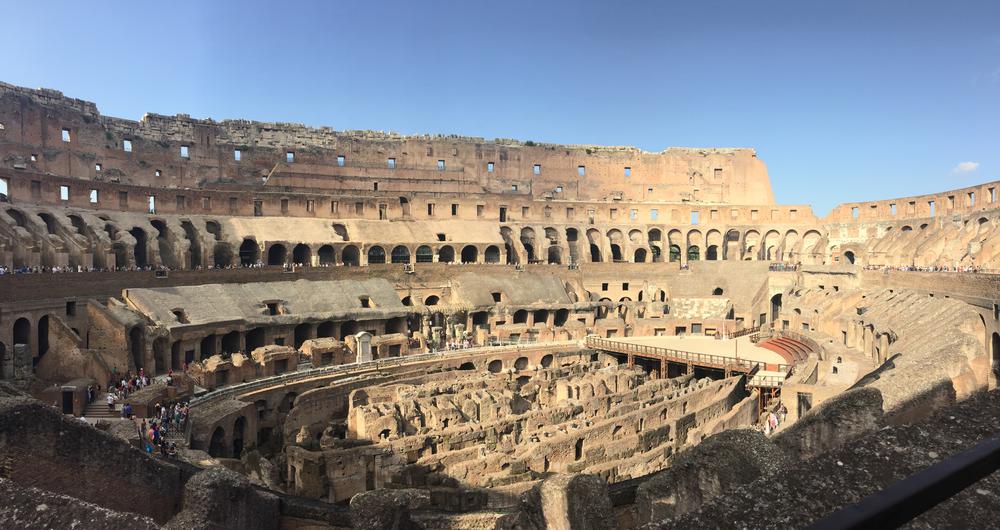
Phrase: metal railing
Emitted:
{"points": [[671, 355]]}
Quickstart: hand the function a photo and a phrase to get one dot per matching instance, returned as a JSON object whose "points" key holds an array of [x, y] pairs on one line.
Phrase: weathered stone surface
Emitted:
{"points": [[219, 499], [718, 463], [576, 502], [387, 509]]}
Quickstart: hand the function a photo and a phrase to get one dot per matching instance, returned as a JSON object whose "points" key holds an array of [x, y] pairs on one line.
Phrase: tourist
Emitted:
{"points": [[111, 402]]}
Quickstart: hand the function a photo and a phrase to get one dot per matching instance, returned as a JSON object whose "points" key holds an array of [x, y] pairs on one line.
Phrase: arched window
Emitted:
{"points": [[470, 254], [277, 254], [675, 253], [446, 254], [326, 255], [351, 256], [400, 254], [694, 253], [492, 254], [376, 255], [424, 254]]}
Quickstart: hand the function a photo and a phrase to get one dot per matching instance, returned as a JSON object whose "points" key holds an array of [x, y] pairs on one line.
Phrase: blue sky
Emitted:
{"points": [[843, 100]]}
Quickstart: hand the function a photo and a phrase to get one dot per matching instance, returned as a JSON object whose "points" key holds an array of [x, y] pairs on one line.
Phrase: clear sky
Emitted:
{"points": [[843, 100]]}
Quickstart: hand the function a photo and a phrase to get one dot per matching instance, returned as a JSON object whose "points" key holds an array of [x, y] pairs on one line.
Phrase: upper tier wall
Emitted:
{"points": [[47, 132], [977, 198]]}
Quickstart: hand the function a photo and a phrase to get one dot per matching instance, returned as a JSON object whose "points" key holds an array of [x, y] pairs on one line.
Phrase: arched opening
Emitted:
{"points": [[195, 248], [351, 256], [239, 429], [22, 332], [717, 291], [277, 254], [425, 254], [222, 255], [324, 330], [231, 342], [140, 246], [495, 366], [616, 252], [555, 256], [562, 315], [432, 300], [287, 402], [341, 231], [541, 316], [640, 255], [302, 334], [995, 343], [121, 255], [249, 253], [207, 347], [775, 306], [675, 253], [255, 339], [578, 449], [164, 243], [348, 328], [400, 254], [470, 254], [302, 255], [546, 360], [595, 253], [521, 363], [135, 345], [521, 316], [712, 253], [395, 325], [492, 254], [468, 365], [407, 301], [694, 253], [529, 251], [43, 336], [217, 445], [849, 257], [446, 254], [376, 255], [326, 255]]}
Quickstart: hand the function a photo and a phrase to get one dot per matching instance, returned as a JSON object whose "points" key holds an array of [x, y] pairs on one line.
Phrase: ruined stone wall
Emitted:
{"points": [[295, 155]]}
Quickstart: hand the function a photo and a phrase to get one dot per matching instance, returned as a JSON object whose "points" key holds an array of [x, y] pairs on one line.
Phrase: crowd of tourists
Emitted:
{"points": [[935, 268]]}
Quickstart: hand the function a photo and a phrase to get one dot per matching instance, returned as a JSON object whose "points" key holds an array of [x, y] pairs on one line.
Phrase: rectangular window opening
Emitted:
{"points": [[64, 193], [628, 171], [391, 163], [340, 160], [237, 155], [440, 165], [489, 167], [581, 170], [127, 145], [66, 137], [537, 169], [695, 215], [93, 196], [289, 157], [185, 152]]}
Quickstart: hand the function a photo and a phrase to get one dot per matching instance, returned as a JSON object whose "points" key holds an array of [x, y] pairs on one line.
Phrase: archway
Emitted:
{"points": [[222, 255], [135, 344], [302, 254], [521, 316], [432, 300], [43, 336], [446, 254], [640, 255], [140, 246], [231, 342], [376, 255], [424, 254], [712, 253], [217, 445], [775, 306], [616, 253], [675, 253], [849, 257], [555, 256], [302, 334], [495, 366], [595, 253], [22, 332], [995, 343], [249, 252], [277, 254], [351, 256], [238, 432], [400, 254], [326, 255], [694, 253], [492, 254], [470, 254]]}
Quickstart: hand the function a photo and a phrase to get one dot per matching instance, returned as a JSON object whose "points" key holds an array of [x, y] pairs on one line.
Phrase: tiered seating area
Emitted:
{"points": [[791, 350]]}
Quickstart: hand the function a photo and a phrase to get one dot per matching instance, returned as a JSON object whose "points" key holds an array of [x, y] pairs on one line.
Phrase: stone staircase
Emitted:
{"points": [[98, 410]]}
